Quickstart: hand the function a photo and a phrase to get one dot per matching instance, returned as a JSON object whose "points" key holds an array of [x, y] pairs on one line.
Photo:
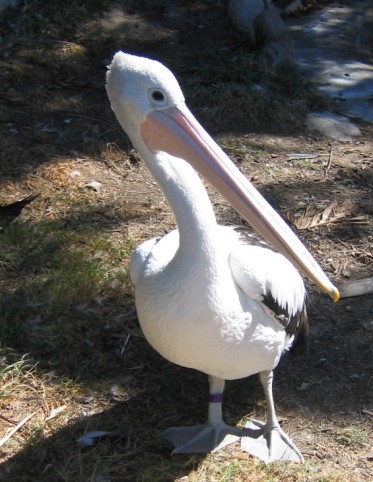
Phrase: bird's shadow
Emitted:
{"points": [[170, 395]]}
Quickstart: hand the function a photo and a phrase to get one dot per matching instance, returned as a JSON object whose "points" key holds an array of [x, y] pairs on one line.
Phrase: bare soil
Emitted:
{"points": [[58, 135]]}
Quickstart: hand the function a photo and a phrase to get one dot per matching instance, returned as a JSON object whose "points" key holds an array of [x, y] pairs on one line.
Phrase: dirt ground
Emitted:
{"points": [[60, 139]]}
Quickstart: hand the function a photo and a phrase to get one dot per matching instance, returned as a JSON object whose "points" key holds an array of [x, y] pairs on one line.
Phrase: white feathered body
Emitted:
{"points": [[199, 292]]}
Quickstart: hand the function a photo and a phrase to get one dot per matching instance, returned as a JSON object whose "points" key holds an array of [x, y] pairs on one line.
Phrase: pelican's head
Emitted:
{"points": [[137, 86], [150, 106]]}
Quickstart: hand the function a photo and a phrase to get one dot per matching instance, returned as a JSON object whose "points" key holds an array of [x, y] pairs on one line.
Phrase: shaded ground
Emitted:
{"points": [[66, 297], [335, 46]]}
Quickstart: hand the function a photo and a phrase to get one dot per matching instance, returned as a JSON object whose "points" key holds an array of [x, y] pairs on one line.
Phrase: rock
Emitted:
{"points": [[289, 6], [7, 3], [268, 26], [94, 186], [265, 30], [242, 14], [333, 126], [275, 54]]}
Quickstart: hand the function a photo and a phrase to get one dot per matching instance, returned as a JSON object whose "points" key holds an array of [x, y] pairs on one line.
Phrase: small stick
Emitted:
{"points": [[15, 429], [356, 288], [330, 160]]}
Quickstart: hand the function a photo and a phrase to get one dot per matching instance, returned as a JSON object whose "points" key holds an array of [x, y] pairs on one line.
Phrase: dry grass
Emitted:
{"points": [[66, 300]]}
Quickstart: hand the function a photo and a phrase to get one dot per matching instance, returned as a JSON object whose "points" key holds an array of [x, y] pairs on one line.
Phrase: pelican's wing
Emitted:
{"points": [[268, 277], [153, 255]]}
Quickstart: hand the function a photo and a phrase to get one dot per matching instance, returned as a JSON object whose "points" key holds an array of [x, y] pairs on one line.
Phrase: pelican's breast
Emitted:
{"points": [[196, 316]]}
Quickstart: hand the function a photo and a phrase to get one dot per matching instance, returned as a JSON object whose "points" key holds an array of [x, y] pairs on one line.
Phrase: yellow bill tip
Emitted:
{"points": [[334, 294]]}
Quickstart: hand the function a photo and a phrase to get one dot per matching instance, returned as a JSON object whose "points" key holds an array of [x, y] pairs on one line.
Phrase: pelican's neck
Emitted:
{"points": [[188, 199]]}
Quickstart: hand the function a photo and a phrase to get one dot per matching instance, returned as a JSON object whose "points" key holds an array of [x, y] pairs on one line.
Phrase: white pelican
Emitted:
{"points": [[205, 298]]}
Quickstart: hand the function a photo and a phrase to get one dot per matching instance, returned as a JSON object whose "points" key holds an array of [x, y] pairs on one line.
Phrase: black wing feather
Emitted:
{"points": [[295, 325]]}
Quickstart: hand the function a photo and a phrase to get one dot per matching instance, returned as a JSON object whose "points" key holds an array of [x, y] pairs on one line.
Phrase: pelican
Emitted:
{"points": [[206, 298]]}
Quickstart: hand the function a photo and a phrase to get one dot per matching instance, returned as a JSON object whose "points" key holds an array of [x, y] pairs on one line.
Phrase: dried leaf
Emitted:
{"points": [[313, 216], [55, 411]]}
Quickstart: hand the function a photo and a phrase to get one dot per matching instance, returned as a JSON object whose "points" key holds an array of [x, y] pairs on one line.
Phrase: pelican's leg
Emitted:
{"points": [[210, 437], [268, 441]]}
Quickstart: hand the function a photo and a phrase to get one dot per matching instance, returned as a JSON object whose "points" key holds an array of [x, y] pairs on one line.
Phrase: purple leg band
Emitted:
{"points": [[215, 398]]}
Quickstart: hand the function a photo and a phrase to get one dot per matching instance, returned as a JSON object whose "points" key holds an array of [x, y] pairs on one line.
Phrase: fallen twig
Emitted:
{"points": [[330, 160], [56, 411], [5, 439], [356, 288], [295, 156]]}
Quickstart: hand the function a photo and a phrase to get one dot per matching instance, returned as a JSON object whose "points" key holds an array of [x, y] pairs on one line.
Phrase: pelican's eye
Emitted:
{"points": [[157, 97]]}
